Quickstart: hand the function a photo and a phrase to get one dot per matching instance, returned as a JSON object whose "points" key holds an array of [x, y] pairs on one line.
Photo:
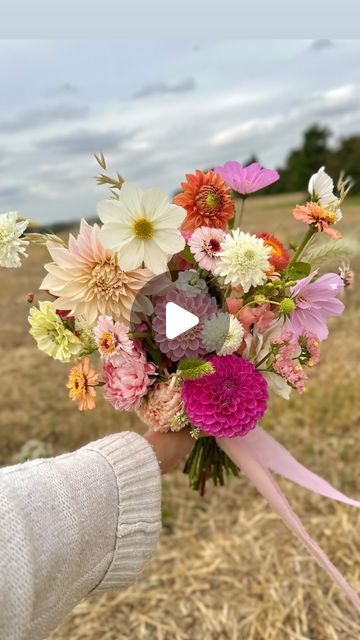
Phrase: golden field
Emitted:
{"points": [[226, 567]]}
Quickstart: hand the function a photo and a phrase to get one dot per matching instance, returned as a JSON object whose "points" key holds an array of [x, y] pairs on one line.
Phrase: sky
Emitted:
{"points": [[157, 109]]}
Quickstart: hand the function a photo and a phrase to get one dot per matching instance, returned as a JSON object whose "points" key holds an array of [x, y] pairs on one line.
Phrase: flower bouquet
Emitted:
{"points": [[259, 314]]}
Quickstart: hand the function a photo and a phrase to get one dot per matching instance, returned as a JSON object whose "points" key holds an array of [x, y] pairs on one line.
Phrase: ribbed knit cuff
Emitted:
{"points": [[139, 491]]}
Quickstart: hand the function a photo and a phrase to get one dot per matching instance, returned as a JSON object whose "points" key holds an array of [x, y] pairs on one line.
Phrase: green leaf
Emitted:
{"points": [[192, 368], [298, 270], [187, 255]]}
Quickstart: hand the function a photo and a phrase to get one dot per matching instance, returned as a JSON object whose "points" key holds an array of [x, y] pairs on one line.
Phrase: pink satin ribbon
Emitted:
{"points": [[258, 452]]}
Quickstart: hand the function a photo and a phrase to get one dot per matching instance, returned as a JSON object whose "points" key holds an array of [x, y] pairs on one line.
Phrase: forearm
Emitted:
{"points": [[77, 524]]}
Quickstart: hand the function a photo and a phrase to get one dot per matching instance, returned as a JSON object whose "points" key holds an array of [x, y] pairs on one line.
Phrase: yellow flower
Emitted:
{"points": [[51, 335]]}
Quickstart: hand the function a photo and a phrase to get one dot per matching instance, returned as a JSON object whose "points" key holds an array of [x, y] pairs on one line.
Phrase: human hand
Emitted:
{"points": [[170, 447]]}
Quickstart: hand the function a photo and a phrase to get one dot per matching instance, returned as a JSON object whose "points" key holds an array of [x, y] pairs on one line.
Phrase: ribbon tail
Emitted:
{"points": [[244, 457], [275, 457]]}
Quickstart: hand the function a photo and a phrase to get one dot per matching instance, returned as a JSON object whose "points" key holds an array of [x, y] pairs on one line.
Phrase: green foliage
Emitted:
{"points": [[192, 368], [298, 270], [187, 255], [338, 251], [315, 152]]}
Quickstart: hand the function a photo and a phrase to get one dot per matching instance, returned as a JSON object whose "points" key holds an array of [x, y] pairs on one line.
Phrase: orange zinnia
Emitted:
{"points": [[279, 257], [207, 201], [81, 382]]}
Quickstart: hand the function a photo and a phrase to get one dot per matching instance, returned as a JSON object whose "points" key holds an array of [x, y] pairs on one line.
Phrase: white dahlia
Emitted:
{"points": [[144, 228], [11, 243], [222, 333], [243, 260]]}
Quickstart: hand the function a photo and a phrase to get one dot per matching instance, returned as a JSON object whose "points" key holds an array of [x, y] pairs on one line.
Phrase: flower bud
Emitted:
{"points": [[287, 306]]}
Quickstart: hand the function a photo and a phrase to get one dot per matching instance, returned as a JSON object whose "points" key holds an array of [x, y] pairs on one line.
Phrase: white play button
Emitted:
{"points": [[178, 320]]}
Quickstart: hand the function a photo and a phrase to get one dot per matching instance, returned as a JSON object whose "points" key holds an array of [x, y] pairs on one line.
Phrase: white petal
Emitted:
{"points": [[171, 217], [131, 255], [112, 211], [131, 197], [154, 258], [115, 236], [154, 202], [169, 241]]}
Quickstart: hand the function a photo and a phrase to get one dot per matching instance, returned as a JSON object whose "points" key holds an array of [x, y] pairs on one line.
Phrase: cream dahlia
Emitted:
{"points": [[87, 280], [243, 260], [142, 227]]}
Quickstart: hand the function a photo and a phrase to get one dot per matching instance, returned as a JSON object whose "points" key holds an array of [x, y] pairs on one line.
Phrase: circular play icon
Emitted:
{"points": [[181, 323]]}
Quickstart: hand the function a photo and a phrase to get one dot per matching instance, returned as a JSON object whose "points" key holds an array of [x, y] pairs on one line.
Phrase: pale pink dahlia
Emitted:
{"points": [[205, 243], [228, 402], [112, 340], [162, 404], [188, 344], [127, 384], [86, 279]]}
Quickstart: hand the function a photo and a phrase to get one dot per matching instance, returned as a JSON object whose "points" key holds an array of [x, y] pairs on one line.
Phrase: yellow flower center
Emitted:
{"points": [[107, 343], [77, 384], [143, 229]]}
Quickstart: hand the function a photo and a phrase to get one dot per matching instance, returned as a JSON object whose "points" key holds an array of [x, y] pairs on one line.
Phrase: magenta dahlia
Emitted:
{"points": [[189, 344], [228, 402]]}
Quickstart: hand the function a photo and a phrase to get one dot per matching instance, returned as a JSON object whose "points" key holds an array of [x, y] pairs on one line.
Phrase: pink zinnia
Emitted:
{"points": [[205, 244], [188, 344], [127, 384], [315, 301], [228, 402], [112, 340], [246, 180]]}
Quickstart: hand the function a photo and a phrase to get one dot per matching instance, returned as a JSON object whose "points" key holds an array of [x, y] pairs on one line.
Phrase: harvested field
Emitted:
{"points": [[226, 567]]}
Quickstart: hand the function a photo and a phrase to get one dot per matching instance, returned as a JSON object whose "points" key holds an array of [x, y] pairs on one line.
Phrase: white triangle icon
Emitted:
{"points": [[178, 320]]}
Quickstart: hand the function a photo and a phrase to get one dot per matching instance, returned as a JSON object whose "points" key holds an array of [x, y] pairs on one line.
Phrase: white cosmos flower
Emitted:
{"points": [[243, 260], [321, 189], [222, 333], [142, 227], [11, 243]]}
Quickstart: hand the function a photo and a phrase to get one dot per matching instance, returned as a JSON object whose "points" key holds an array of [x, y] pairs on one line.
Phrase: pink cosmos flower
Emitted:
{"points": [[205, 243], [315, 301], [188, 344], [246, 180], [112, 340], [127, 384], [228, 402]]}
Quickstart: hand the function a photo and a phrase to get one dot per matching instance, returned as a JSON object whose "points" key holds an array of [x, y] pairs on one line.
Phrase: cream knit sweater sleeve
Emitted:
{"points": [[71, 526]]}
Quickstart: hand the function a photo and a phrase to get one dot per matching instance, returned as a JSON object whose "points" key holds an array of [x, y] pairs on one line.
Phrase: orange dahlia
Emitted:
{"points": [[279, 257], [81, 382], [207, 201]]}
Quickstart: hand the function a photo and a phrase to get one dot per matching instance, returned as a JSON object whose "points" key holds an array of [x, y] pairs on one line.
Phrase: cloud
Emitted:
{"points": [[182, 86], [12, 193], [321, 44], [86, 142], [34, 118], [65, 89]]}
